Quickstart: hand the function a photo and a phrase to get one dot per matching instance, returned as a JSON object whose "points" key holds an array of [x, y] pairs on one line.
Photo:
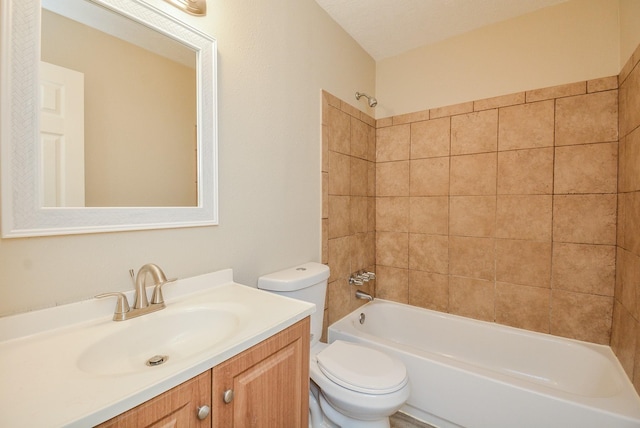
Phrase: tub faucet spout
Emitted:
{"points": [[364, 296]]}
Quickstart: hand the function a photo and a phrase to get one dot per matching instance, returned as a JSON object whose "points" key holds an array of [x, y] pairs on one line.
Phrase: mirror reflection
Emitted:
{"points": [[118, 120]]}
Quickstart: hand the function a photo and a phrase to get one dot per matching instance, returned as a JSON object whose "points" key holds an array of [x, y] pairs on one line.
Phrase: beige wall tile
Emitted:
{"points": [[586, 168], [384, 122], [359, 248], [524, 217], [371, 214], [474, 132], [525, 172], [392, 178], [581, 316], [429, 253], [392, 214], [526, 126], [522, 306], [411, 117], [559, 91], [325, 241], [429, 290], [339, 127], [628, 281], [472, 257], [430, 138], [585, 219], [359, 218], [359, 138], [325, 195], [429, 177], [584, 268], [583, 119], [629, 172], [523, 262], [325, 148], [339, 258], [339, 216], [630, 102], [472, 298], [602, 84], [339, 174], [500, 101], [624, 336], [473, 174], [349, 109], [359, 176], [393, 143], [472, 216], [392, 284], [371, 179], [338, 293], [392, 249], [632, 221], [429, 215], [462, 108], [371, 150]]}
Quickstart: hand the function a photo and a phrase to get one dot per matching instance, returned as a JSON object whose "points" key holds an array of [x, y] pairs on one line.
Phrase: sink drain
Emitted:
{"points": [[156, 360]]}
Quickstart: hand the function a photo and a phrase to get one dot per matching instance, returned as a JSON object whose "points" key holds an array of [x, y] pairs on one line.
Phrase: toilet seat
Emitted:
{"points": [[361, 369]]}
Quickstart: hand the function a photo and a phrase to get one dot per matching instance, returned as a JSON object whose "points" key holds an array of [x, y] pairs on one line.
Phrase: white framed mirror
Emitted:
{"points": [[37, 194]]}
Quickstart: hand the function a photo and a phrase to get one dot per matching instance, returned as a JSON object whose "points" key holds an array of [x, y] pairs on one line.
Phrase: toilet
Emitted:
{"points": [[352, 386]]}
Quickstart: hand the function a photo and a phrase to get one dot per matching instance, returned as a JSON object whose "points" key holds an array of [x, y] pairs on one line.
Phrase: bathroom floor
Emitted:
{"points": [[400, 420]]}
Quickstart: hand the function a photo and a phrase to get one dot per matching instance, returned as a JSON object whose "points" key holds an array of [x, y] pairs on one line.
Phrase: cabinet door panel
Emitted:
{"points": [[270, 383], [176, 408]]}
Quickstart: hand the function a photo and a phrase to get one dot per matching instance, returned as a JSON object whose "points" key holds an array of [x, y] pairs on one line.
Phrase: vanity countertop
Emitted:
{"points": [[51, 376]]}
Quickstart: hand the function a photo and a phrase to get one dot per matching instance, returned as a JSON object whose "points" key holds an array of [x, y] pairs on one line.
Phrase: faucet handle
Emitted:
{"points": [[122, 304], [157, 297]]}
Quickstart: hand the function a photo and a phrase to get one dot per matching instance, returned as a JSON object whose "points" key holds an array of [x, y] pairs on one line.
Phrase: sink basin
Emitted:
{"points": [[173, 334]]}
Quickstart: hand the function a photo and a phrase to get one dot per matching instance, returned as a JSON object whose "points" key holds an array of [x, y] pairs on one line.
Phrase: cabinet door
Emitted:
{"points": [[176, 408], [270, 383]]}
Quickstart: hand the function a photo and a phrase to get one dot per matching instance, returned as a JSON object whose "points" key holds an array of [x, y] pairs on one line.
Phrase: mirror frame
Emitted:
{"points": [[20, 174]]}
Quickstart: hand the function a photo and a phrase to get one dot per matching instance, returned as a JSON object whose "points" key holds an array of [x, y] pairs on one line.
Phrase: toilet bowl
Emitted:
{"points": [[353, 386], [359, 386]]}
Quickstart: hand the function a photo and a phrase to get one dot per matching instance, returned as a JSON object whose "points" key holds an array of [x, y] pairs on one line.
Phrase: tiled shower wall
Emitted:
{"points": [[504, 209], [625, 339], [348, 208], [501, 209]]}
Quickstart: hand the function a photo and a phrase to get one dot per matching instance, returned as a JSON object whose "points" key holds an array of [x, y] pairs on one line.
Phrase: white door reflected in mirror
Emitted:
{"points": [[62, 136]]}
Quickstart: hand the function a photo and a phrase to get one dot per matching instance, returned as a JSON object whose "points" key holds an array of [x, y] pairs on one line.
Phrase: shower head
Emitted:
{"points": [[372, 101]]}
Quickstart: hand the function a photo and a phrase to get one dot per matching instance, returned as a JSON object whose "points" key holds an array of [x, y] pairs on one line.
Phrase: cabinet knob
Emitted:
{"points": [[203, 412], [227, 396]]}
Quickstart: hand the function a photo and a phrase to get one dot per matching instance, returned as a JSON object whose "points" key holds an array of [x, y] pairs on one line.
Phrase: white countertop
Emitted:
{"points": [[42, 384]]}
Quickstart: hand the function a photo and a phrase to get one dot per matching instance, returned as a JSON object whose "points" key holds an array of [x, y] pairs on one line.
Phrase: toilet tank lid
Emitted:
{"points": [[295, 278]]}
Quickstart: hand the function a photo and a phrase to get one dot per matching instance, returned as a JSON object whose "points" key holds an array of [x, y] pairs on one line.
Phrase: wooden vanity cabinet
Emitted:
{"points": [[270, 384], [176, 408]]}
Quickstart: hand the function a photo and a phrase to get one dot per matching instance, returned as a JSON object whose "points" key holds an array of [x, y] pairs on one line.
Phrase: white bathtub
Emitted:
{"points": [[475, 374]]}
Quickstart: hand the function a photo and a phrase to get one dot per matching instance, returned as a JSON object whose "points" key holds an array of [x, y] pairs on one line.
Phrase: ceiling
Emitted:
{"points": [[386, 28]]}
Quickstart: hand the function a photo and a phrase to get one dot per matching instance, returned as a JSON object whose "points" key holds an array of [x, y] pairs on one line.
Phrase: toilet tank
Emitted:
{"points": [[307, 282]]}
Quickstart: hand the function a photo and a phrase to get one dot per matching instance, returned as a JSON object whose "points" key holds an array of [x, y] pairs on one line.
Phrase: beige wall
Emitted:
{"points": [[629, 29], [573, 41], [274, 58]]}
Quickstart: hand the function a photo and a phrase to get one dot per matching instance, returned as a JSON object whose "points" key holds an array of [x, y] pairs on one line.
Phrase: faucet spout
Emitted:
{"points": [[364, 296], [159, 278]]}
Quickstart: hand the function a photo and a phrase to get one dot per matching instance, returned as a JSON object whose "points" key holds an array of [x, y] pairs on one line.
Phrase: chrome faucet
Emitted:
{"points": [[364, 296], [141, 305]]}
